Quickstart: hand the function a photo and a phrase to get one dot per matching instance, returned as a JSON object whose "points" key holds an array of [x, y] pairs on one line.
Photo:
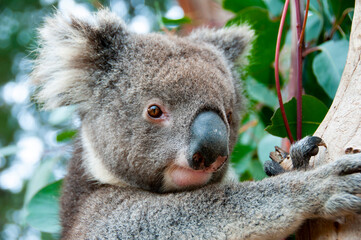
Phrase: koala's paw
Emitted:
{"points": [[336, 185], [272, 168], [302, 150], [280, 162], [298, 158]]}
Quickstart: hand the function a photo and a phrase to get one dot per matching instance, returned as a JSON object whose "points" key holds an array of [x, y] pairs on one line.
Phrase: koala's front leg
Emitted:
{"points": [[270, 209], [301, 151], [298, 158]]}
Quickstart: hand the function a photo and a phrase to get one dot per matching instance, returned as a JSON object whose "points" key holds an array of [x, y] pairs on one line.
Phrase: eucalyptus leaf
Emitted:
{"points": [[261, 93], [267, 145], [237, 5], [313, 112], [328, 65], [43, 209], [313, 26], [263, 50], [168, 21], [256, 170], [275, 7], [240, 158], [240, 151], [338, 6], [61, 115], [66, 135], [315, 5], [41, 177], [8, 150]]}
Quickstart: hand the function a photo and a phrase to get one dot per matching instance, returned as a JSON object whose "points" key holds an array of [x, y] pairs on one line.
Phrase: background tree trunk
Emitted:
{"points": [[341, 129]]}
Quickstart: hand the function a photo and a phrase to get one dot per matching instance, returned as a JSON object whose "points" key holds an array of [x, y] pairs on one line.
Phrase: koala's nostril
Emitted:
{"points": [[198, 160]]}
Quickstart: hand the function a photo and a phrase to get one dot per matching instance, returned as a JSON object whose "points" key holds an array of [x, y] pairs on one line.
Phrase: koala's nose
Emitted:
{"points": [[208, 140]]}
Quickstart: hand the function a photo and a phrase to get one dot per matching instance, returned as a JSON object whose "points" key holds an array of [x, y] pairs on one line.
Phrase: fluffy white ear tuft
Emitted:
{"points": [[71, 50], [232, 41]]}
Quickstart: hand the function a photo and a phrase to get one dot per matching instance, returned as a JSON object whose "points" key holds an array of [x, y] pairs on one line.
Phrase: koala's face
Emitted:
{"points": [[158, 112]]}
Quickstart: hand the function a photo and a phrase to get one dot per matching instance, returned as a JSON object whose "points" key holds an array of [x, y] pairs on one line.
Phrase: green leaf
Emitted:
{"points": [[338, 6], [256, 170], [329, 64], [315, 5], [313, 27], [8, 150], [237, 5], [240, 151], [240, 158], [313, 112], [263, 51], [43, 209], [66, 135], [61, 115], [180, 21], [41, 177], [267, 145], [275, 7], [261, 93], [310, 83]]}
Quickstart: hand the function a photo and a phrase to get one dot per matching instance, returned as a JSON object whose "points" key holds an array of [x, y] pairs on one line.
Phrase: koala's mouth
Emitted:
{"points": [[181, 176]]}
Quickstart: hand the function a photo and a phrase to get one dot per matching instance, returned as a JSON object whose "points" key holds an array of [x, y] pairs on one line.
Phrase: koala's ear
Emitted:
{"points": [[71, 50], [232, 41]]}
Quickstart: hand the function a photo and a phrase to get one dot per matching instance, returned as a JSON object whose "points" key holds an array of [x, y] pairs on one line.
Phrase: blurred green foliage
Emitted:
{"points": [[35, 204]]}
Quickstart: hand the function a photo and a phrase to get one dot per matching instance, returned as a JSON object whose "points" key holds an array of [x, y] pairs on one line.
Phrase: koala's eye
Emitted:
{"points": [[154, 111], [229, 117]]}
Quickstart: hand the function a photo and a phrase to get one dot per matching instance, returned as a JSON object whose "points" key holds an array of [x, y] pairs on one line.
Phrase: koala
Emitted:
{"points": [[159, 118]]}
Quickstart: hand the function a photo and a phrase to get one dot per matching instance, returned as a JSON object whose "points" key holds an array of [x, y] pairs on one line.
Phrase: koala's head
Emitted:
{"points": [[158, 112]]}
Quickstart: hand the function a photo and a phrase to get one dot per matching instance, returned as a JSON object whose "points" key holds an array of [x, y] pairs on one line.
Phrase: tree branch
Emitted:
{"points": [[341, 130]]}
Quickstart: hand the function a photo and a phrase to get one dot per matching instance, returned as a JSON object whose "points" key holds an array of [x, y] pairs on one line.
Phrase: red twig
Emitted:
{"points": [[299, 70], [300, 41], [300, 37], [284, 117], [310, 50]]}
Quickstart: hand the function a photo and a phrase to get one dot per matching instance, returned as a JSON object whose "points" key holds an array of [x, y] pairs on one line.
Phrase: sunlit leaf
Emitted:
{"points": [[180, 21], [43, 209], [66, 135], [313, 112], [329, 64], [61, 115]]}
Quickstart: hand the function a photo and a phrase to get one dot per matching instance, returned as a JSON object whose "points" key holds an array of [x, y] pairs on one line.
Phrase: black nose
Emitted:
{"points": [[208, 140]]}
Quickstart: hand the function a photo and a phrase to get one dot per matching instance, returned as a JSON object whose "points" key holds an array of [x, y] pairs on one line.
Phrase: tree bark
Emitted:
{"points": [[341, 130]]}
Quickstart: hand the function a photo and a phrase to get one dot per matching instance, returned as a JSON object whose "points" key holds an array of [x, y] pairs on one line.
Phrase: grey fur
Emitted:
{"points": [[115, 187]]}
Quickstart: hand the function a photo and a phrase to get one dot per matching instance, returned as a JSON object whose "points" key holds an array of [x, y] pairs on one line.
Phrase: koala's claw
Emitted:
{"points": [[352, 150], [275, 167], [303, 150]]}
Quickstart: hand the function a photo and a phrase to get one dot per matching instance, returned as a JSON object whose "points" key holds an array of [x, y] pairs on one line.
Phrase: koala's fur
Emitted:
{"points": [[120, 183]]}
